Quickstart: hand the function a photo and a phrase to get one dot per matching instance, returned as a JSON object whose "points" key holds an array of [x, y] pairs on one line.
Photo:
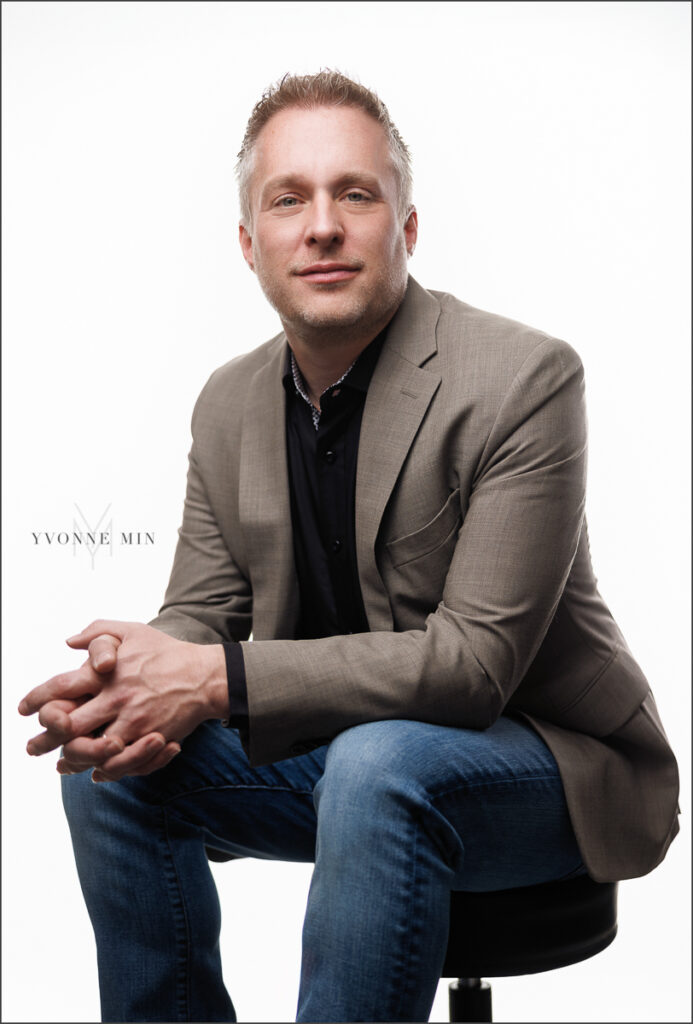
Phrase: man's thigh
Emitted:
{"points": [[498, 791], [493, 798], [263, 812]]}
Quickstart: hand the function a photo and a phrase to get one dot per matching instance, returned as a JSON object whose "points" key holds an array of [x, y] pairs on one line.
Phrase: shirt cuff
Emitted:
{"points": [[238, 692]]}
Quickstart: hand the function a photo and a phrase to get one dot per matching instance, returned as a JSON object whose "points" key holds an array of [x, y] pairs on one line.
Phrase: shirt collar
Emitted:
{"points": [[357, 376]]}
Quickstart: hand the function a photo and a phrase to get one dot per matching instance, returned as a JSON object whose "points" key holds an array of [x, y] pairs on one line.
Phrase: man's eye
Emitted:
{"points": [[357, 197], [288, 201]]}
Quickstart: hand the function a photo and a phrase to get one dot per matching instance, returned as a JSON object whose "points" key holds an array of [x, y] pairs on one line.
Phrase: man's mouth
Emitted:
{"points": [[328, 273]]}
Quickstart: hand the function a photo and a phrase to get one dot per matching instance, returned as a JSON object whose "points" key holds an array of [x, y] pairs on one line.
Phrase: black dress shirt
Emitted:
{"points": [[322, 452]]}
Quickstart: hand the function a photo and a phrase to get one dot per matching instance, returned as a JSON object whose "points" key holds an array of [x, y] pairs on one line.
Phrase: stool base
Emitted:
{"points": [[470, 1000]]}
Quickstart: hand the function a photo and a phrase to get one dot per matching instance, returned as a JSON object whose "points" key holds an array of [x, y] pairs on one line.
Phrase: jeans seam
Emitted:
{"points": [[488, 784], [405, 998], [206, 789], [182, 926]]}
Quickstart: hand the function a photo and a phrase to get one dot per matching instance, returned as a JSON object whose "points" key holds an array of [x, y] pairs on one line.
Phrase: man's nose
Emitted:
{"points": [[324, 224]]}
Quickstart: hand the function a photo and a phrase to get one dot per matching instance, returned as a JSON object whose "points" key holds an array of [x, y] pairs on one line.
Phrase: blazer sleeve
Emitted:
{"points": [[208, 599], [510, 563]]}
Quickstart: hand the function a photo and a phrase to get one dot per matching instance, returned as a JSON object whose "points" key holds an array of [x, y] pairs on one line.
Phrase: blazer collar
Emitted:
{"points": [[412, 330], [398, 397]]}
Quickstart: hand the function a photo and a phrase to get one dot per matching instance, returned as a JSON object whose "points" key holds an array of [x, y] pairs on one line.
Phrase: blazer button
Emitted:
{"points": [[330, 456], [336, 546]]}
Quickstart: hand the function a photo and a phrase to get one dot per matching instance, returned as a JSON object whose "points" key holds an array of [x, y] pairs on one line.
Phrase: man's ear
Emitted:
{"points": [[411, 230], [246, 246]]}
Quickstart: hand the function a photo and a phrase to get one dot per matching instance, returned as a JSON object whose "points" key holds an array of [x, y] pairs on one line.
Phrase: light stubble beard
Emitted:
{"points": [[363, 317]]}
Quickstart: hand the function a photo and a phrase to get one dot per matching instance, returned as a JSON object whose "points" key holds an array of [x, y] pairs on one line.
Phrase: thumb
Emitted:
{"points": [[103, 652], [80, 641]]}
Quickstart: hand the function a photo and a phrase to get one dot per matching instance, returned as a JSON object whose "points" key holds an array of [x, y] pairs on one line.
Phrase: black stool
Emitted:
{"points": [[522, 931]]}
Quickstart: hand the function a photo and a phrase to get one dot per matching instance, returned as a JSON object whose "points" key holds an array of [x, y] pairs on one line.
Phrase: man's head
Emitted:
{"points": [[327, 221], [324, 89]]}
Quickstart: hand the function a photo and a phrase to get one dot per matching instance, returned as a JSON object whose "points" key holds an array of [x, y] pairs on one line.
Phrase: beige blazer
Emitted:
{"points": [[473, 559]]}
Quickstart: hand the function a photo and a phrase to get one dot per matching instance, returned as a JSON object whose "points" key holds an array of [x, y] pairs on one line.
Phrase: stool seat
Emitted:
{"points": [[530, 929]]}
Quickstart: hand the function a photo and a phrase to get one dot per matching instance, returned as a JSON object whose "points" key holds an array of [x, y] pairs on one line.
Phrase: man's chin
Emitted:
{"points": [[326, 316], [329, 320]]}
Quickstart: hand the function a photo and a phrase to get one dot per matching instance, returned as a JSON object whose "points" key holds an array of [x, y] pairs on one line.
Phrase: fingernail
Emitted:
{"points": [[113, 746], [22, 708], [155, 743], [71, 638]]}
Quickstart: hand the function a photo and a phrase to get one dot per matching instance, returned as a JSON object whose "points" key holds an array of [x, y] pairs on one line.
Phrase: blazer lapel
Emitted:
{"points": [[264, 503], [398, 397]]}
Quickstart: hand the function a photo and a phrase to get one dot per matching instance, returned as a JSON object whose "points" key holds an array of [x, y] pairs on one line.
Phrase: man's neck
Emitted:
{"points": [[322, 366]]}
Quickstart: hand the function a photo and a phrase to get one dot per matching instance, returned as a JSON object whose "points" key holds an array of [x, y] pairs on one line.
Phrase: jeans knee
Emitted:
{"points": [[366, 776], [376, 792], [96, 808]]}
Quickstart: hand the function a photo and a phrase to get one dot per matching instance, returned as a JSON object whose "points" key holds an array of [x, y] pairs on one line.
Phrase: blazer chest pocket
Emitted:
{"points": [[429, 538]]}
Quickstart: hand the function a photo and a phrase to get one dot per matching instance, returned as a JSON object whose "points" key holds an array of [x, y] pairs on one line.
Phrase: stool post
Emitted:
{"points": [[470, 1000]]}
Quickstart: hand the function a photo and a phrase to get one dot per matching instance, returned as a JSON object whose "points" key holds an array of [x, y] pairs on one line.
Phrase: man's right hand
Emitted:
{"points": [[102, 753]]}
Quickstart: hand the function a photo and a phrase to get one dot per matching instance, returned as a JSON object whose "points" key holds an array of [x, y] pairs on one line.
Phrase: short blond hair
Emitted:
{"points": [[324, 89]]}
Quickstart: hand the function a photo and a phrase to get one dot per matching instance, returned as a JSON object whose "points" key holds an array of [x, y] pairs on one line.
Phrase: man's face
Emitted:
{"points": [[327, 242]]}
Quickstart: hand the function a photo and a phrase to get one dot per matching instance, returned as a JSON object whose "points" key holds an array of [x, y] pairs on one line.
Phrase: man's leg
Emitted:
{"points": [[139, 846], [407, 812]]}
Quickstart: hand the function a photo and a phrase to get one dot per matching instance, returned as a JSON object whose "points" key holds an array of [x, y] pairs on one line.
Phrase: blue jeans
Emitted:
{"points": [[395, 814]]}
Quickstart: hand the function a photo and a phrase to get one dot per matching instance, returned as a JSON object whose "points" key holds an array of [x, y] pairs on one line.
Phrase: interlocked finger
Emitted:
{"points": [[85, 752], [76, 685], [146, 755], [55, 717]]}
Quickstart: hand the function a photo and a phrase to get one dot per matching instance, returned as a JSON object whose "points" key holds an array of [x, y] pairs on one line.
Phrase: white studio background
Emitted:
{"points": [[551, 152]]}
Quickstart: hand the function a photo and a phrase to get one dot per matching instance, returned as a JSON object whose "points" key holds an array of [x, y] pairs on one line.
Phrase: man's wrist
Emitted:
{"points": [[214, 680]]}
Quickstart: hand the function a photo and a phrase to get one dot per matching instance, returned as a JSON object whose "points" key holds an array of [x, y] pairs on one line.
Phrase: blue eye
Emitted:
{"points": [[288, 201], [358, 196]]}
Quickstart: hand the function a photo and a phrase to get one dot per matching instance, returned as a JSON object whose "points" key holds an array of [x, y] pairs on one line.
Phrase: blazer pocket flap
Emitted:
{"points": [[429, 537]]}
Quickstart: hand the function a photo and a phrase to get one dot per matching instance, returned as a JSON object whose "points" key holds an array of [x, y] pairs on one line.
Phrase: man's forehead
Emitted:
{"points": [[344, 123], [344, 140]]}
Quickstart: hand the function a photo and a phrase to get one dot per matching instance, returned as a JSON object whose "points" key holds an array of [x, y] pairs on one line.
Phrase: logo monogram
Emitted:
{"points": [[92, 541]]}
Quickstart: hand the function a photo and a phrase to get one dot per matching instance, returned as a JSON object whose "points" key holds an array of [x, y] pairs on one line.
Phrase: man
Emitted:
{"points": [[390, 494]]}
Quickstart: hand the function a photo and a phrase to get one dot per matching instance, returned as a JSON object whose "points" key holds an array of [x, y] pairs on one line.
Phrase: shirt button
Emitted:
{"points": [[330, 456], [336, 546]]}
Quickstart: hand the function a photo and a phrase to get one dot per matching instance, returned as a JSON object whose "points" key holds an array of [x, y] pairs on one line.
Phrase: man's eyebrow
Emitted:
{"points": [[354, 177]]}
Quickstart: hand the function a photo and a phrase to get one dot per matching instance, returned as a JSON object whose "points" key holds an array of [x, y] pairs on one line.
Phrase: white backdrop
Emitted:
{"points": [[551, 151]]}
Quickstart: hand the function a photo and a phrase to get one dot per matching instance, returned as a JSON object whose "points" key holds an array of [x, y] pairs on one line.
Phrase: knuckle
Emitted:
{"points": [[47, 718], [71, 764], [118, 700], [137, 720]]}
